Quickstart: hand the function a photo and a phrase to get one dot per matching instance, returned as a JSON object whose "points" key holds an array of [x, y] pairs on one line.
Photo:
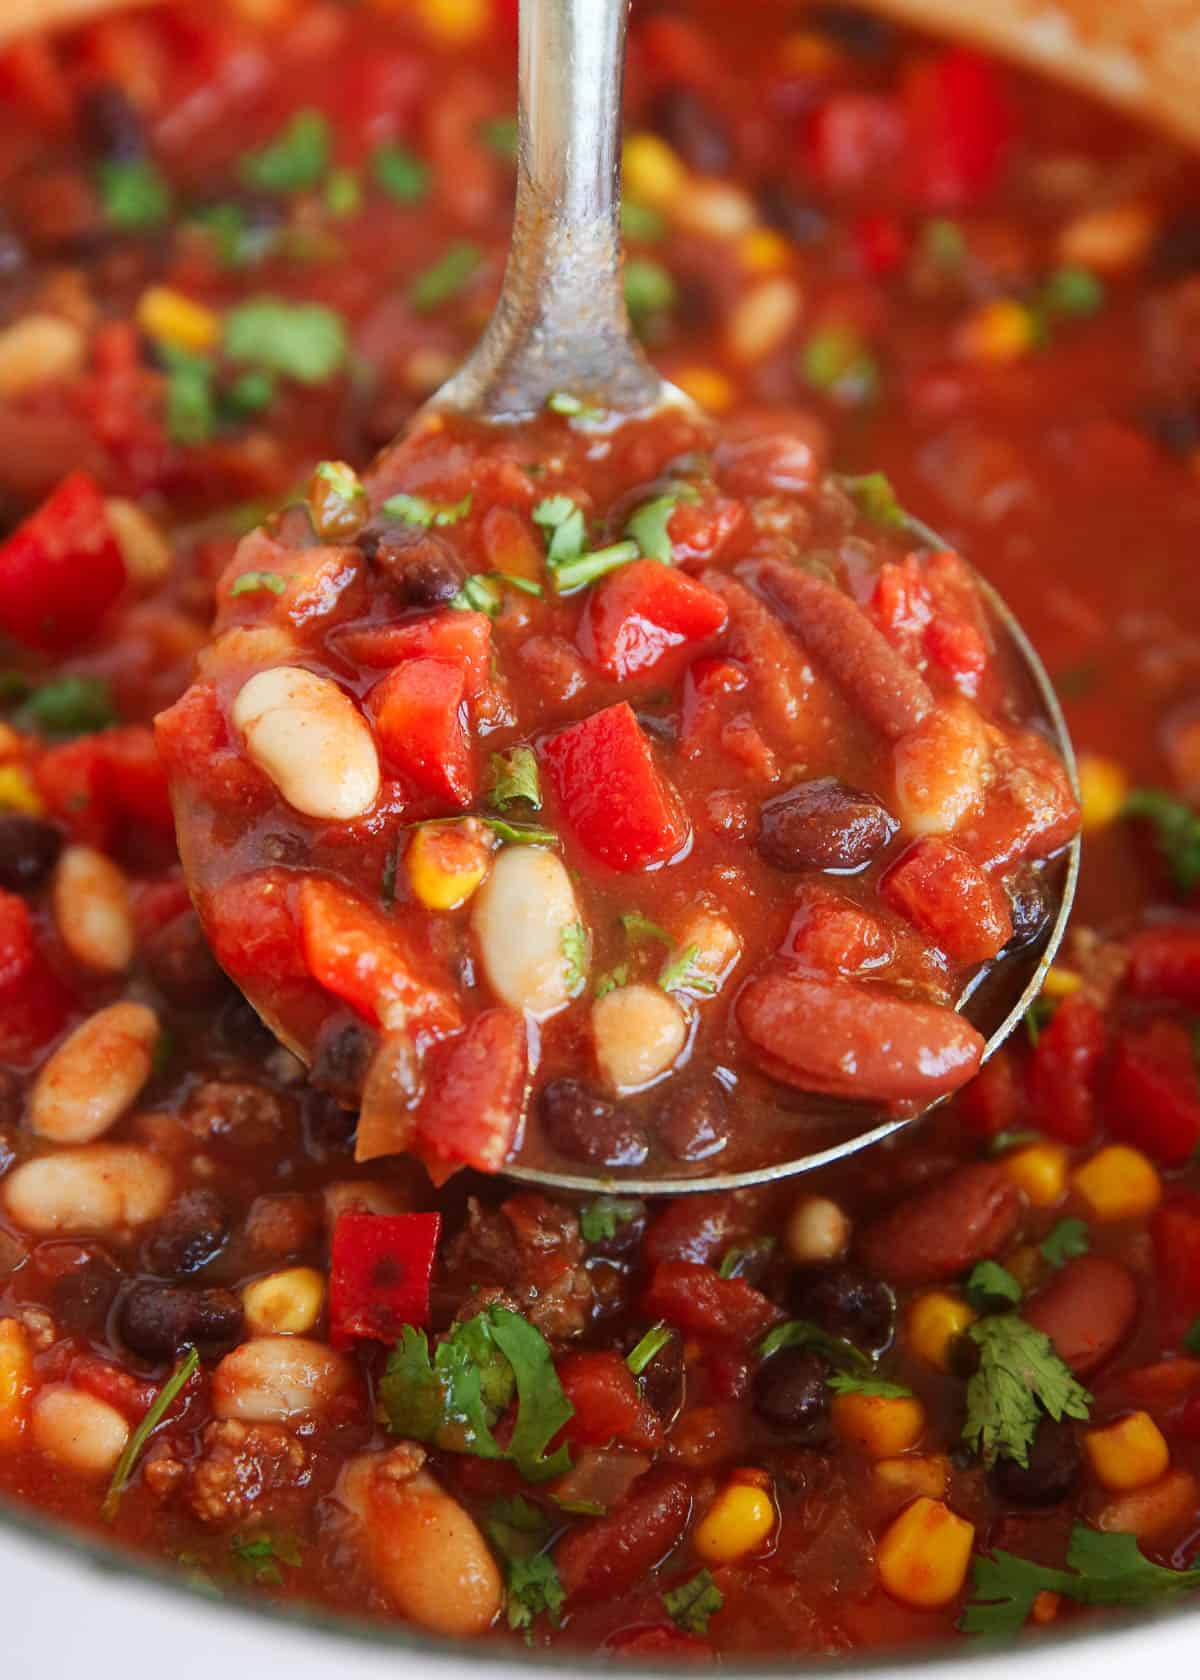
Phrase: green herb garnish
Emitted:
{"points": [[1012, 1140], [296, 158], [608, 982], [649, 525], [415, 510], [836, 361], [256, 1557], [302, 341], [648, 1347], [190, 407], [515, 776], [849, 1382], [598, 1220], [735, 1260], [801, 1332], [1176, 830], [873, 496], [640, 223], [137, 1442], [134, 193], [253, 583], [70, 706], [563, 525], [1067, 1241], [521, 1532], [500, 135], [638, 927], [572, 407], [574, 942], [401, 174], [691, 1605], [990, 1288], [1019, 1377], [448, 276], [1072, 291], [484, 591], [343, 193], [649, 289], [682, 973]]}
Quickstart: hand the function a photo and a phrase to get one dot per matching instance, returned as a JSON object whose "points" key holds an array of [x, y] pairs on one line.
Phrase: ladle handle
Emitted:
{"points": [[561, 322]]}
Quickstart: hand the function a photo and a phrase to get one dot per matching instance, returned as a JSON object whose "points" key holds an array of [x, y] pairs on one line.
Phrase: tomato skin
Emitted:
{"points": [[1175, 1230], [417, 710], [1164, 964], [695, 1299], [1154, 1092], [641, 613], [61, 569], [609, 1407], [380, 1270], [476, 1092], [1064, 1070], [611, 791]]}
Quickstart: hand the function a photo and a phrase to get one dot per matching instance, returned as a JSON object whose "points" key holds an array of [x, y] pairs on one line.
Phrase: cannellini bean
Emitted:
{"points": [[144, 549], [713, 209], [817, 1230], [422, 1547], [273, 1379], [522, 917], [311, 740], [716, 946], [762, 319], [79, 1431], [90, 896], [639, 1033], [95, 1075], [38, 349], [100, 1188], [940, 769]]}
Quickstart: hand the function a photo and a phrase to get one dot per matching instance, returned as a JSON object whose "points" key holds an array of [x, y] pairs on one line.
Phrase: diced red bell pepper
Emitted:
{"points": [[612, 793], [16, 941], [458, 638], [609, 1406], [1164, 964], [1154, 1091], [643, 611], [33, 1001], [475, 1093], [693, 1298], [418, 716], [946, 896], [960, 129], [380, 1270], [1175, 1230], [364, 958], [102, 783], [1065, 1069], [61, 569]]}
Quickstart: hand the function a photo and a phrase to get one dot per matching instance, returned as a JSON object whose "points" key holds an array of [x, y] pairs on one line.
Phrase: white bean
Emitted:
{"points": [[523, 916], [273, 1379], [817, 1230], [311, 740], [77, 1430], [100, 1188], [940, 769], [95, 1075], [90, 897], [38, 349], [424, 1550], [715, 946], [144, 549], [762, 319], [639, 1032]]}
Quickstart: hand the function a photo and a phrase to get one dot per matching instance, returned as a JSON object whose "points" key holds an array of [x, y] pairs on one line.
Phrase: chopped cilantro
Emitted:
{"points": [[484, 591], [515, 776], [190, 405], [640, 223], [990, 1288], [598, 1220], [801, 1332], [256, 1557], [735, 1260], [873, 496], [302, 341], [835, 360], [70, 706], [136, 1444], [563, 524], [343, 193], [690, 1605], [134, 193], [849, 1382], [648, 1347], [608, 982], [649, 289], [400, 174], [1176, 829], [415, 510], [589, 568], [1191, 1338], [295, 159], [250, 392], [1039, 1014], [236, 242], [1072, 291], [1012, 1140], [251, 583], [447, 277], [1067, 1241], [681, 973], [520, 834], [638, 927], [500, 135], [1019, 1377], [521, 1532], [572, 407], [574, 941], [649, 525]]}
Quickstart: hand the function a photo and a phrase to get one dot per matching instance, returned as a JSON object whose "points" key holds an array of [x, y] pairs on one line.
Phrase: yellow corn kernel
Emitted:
{"points": [[916, 1476], [16, 1381], [1118, 1183], [923, 1557], [1044, 1608], [171, 318], [999, 331], [1040, 1170], [763, 250], [1103, 786], [446, 862], [17, 792], [653, 173], [454, 21], [286, 1303], [881, 1424], [1128, 1454], [739, 1520], [707, 386], [1061, 982], [934, 1320]]}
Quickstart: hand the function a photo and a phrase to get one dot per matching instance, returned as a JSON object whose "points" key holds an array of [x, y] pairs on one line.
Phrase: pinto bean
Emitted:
{"points": [[1087, 1311], [942, 1231], [823, 825], [100, 1188], [851, 1041], [609, 1556], [273, 1379], [878, 682], [95, 1075]]}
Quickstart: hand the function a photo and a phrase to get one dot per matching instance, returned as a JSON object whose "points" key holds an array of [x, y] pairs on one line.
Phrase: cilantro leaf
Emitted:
{"points": [[70, 706], [415, 510], [574, 941], [190, 409], [1176, 830], [520, 834], [1067, 1241], [588, 568], [682, 973], [618, 976], [639, 222], [520, 1532], [296, 158], [134, 193], [1019, 1376], [873, 496], [572, 407], [500, 135], [543, 1408], [990, 1287], [303, 341], [1191, 1338], [1016, 1139], [515, 776], [564, 527], [401, 174], [649, 525], [849, 1382], [638, 926], [256, 1557], [139, 1440], [801, 1332], [649, 288], [484, 591], [251, 583], [690, 1605], [734, 1260], [598, 1220], [448, 276], [648, 1347]]}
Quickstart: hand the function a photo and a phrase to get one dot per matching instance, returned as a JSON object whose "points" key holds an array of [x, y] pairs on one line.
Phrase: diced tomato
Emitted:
{"points": [[1154, 1091], [194, 745], [830, 934], [510, 543], [33, 79], [881, 243], [133, 781], [16, 941], [852, 138], [693, 1298], [380, 1270], [475, 1093], [960, 650], [950, 899], [1065, 1069], [712, 528], [705, 687], [457, 638], [61, 569], [612, 793], [1175, 1230], [419, 720], [994, 1100], [254, 930], [33, 1001], [1164, 964], [960, 129], [641, 613], [657, 1641], [609, 1406], [364, 958]]}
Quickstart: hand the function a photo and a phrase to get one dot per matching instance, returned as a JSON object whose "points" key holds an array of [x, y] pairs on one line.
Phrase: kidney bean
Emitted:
{"points": [[780, 464], [1087, 1311], [946, 1229], [155, 1319], [29, 850], [584, 1127], [791, 1394], [605, 1558], [692, 1122], [823, 825], [877, 680], [1051, 1474], [850, 1041], [846, 1302], [191, 1232]]}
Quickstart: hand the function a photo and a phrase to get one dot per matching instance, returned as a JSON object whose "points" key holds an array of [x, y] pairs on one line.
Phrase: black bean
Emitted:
{"points": [[860, 33], [341, 1057], [791, 212], [791, 1393], [29, 850], [181, 963], [190, 1234], [1029, 901], [586, 1127], [329, 1125], [154, 1320], [664, 1381], [847, 1302], [1176, 250], [692, 1122], [823, 825], [113, 124], [693, 130], [243, 1030], [83, 1297], [422, 568], [1052, 1473]]}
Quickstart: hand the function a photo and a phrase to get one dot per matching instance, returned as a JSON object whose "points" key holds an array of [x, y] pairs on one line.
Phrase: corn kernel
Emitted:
{"points": [[1118, 1183], [16, 1381], [923, 1557], [17, 792], [286, 1303], [763, 251], [653, 173], [739, 1521], [454, 21], [916, 1476], [1040, 1170], [173, 319], [1044, 1608], [1060, 983], [446, 862], [934, 1320], [1128, 1454], [1103, 786], [706, 386], [882, 1425], [999, 331]]}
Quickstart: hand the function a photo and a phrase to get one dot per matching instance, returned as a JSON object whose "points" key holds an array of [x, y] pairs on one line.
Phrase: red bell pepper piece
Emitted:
{"points": [[61, 569], [643, 611], [418, 718], [852, 138], [33, 1001], [16, 941], [693, 1298], [609, 1406], [1154, 1092], [475, 1093], [1065, 1069], [960, 129], [994, 1101], [1175, 1230], [947, 897], [612, 793], [457, 638], [1164, 964], [881, 242], [380, 1270]]}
